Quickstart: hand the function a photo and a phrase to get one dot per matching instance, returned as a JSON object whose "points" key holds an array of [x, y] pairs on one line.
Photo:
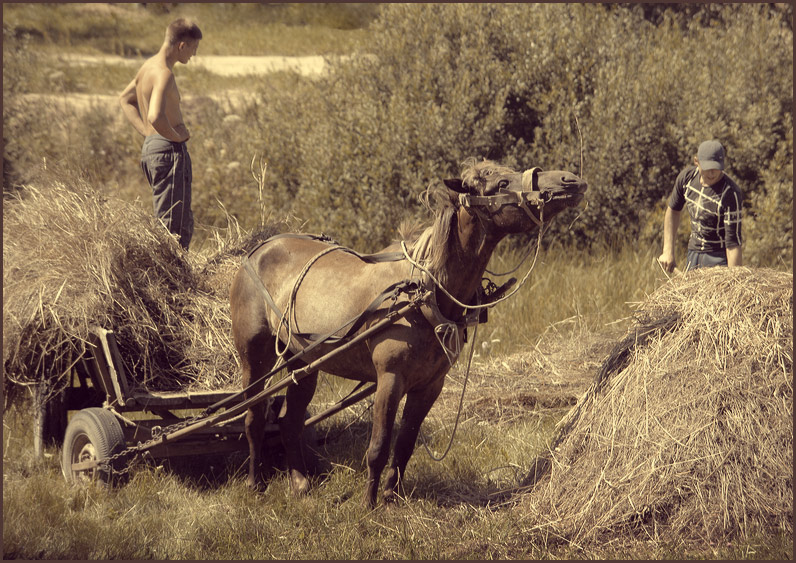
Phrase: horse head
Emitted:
{"points": [[512, 201]]}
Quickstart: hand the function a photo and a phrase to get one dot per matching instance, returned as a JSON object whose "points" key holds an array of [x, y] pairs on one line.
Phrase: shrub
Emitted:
{"points": [[516, 83]]}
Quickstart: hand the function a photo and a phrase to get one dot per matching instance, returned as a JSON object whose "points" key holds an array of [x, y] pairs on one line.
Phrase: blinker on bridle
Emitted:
{"points": [[531, 195]]}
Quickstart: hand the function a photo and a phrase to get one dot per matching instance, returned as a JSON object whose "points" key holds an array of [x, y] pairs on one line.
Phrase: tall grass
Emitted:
{"points": [[569, 291]]}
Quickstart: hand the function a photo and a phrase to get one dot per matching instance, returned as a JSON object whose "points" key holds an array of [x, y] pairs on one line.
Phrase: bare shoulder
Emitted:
{"points": [[154, 72]]}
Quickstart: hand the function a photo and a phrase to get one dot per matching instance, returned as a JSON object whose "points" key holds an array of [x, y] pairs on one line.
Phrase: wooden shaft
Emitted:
{"points": [[344, 403], [295, 377]]}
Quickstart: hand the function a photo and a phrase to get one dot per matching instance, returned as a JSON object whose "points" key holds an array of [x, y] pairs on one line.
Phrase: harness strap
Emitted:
{"points": [[493, 203], [356, 322], [435, 318], [451, 335]]}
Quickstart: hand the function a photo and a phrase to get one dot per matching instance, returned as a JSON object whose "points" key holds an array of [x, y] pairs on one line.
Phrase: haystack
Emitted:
{"points": [[74, 258], [687, 429]]}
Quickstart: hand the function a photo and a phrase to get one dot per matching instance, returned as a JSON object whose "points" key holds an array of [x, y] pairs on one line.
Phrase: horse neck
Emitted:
{"points": [[470, 248]]}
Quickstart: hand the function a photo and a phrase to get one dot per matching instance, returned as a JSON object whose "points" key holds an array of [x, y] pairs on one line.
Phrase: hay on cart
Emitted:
{"points": [[75, 258]]}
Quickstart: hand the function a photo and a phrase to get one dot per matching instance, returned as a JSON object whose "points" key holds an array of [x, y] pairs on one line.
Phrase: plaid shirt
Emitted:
{"points": [[715, 210]]}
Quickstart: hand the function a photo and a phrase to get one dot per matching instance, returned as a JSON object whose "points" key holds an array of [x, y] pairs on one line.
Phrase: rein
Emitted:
{"points": [[479, 305]]}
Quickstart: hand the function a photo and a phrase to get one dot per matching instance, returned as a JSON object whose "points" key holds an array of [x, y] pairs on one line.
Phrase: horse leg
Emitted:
{"points": [[291, 426], [385, 406], [418, 403], [256, 361]]}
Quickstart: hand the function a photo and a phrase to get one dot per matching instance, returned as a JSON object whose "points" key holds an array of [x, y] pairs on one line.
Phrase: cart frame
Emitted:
{"points": [[100, 376]]}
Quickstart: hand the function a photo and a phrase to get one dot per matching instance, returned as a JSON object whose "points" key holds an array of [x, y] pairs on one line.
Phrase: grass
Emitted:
{"points": [[179, 514], [600, 286], [199, 508], [535, 356]]}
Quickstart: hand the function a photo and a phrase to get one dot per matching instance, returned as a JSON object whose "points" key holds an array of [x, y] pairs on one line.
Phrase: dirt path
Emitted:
{"points": [[220, 65]]}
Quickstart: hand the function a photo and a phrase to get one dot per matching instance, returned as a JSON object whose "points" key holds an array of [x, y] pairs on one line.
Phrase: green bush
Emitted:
{"points": [[521, 84]]}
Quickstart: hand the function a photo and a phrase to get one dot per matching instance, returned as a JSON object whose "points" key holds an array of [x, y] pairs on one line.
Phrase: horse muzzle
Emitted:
{"points": [[555, 185]]}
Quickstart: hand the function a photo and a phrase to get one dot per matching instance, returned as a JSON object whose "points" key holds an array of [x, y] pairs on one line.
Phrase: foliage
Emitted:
{"points": [[519, 83], [440, 85], [109, 28], [228, 28]]}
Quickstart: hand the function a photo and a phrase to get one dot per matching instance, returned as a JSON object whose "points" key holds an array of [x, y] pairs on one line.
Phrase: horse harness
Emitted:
{"points": [[531, 195], [428, 306]]}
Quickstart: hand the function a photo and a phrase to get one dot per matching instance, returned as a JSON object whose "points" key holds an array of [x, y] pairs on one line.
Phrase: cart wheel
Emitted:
{"points": [[92, 433]]}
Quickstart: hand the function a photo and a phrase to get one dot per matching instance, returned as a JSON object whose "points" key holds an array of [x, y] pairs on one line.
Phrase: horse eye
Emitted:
{"points": [[503, 184]]}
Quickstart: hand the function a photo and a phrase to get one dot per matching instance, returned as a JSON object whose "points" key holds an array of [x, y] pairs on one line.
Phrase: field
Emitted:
{"points": [[532, 393]]}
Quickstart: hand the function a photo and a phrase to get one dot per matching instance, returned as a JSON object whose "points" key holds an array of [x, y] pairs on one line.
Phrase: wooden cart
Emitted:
{"points": [[101, 429], [99, 439]]}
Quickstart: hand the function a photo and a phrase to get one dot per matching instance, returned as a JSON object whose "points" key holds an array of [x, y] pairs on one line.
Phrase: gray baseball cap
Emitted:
{"points": [[711, 155]]}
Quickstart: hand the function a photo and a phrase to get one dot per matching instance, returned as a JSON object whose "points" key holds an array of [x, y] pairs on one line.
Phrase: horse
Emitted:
{"points": [[293, 287]]}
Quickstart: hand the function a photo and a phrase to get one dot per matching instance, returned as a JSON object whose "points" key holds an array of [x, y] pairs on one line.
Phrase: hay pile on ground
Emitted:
{"points": [[687, 430], [74, 258]]}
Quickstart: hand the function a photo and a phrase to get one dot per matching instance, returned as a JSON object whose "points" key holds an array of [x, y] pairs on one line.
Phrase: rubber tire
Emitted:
{"points": [[92, 433]]}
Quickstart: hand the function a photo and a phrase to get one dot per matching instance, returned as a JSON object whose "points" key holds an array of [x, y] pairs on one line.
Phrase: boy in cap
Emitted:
{"points": [[151, 103], [714, 205]]}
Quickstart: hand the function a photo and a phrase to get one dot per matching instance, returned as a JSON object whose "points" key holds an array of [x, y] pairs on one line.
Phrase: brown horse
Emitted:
{"points": [[310, 286]]}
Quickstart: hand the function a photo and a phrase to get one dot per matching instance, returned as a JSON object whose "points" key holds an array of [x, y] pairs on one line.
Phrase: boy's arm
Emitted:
{"points": [[157, 108], [671, 222], [129, 102]]}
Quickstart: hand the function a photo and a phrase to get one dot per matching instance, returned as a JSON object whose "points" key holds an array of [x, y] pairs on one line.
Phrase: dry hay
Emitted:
{"points": [[74, 258], [687, 430]]}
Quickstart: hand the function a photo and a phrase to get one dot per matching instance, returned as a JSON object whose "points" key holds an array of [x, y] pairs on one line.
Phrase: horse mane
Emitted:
{"points": [[431, 246]]}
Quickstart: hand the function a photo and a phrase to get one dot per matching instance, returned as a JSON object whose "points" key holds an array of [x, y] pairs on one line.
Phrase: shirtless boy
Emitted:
{"points": [[151, 102]]}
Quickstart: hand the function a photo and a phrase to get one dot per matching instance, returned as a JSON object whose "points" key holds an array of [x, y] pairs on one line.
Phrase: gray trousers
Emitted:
{"points": [[167, 166], [696, 259]]}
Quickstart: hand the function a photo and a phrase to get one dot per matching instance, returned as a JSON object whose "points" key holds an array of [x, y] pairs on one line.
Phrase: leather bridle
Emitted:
{"points": [[531, 195]]}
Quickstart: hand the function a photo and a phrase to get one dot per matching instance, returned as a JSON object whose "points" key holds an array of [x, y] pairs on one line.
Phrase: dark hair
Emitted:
{"points": [[182, 30]]}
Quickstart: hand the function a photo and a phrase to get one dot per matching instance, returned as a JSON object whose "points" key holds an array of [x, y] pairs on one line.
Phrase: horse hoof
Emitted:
{"points": [[299, 485]]}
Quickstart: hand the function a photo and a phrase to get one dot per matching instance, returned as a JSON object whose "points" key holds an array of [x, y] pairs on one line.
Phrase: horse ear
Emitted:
{"points": [[456, 185]]}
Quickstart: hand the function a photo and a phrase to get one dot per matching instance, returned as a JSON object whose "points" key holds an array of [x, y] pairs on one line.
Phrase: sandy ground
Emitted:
{"points": [[221, 65]]}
